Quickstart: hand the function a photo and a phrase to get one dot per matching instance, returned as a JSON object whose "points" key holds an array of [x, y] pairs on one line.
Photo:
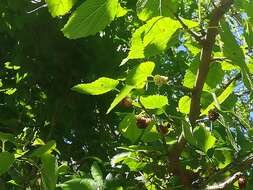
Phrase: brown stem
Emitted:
{"points": [[205, 60], [206, 57]]}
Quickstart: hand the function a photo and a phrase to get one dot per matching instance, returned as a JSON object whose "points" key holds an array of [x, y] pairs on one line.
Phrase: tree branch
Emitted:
{"points": [[237, 165], [225, 183], [205, 60], [206, 57], [196, 36]]}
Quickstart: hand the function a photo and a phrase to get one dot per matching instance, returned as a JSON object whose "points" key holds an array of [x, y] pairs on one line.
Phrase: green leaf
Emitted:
{"points": [[99, 86], [6, 160], [223, 157], [119, 158], [221, 98], [123, 93], [204, 138], [150, 134], [97, 174], [134, 163], [147, 9], [63, 169], [47, 148], [79, 184], [235, 53], [136, 79], [129, 129], [90, 18], [154, 101], [214, 77], [49, 171], [59, 7], [184, 104], [121, 11], [187, 132], [191, 72], [153, 38]]}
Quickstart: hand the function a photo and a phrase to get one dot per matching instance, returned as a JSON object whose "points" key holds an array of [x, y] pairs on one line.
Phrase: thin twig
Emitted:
{"points": [[225, 183], [196, 36]]}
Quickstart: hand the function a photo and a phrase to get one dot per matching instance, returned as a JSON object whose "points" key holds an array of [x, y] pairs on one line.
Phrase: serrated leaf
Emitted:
{"points": [[79, 184], [154, 101], [97, 173], [147, 9], [6, 160], [204, 139], [90, 18], [49, 171], [129, 129], [153, 38], [184, 104], [59, 7], [99, 86], [47, 148]]}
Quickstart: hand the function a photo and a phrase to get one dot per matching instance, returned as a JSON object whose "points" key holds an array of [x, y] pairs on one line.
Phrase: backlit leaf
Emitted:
{"points": [[136, 79], [59, 7], [100, 86], [152, 38], [147, 9], [90, 18], [154, 101], [184, 104]]}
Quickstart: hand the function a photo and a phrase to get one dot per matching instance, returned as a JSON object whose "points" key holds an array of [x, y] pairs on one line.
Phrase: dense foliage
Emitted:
{"points": [[117, 94]]}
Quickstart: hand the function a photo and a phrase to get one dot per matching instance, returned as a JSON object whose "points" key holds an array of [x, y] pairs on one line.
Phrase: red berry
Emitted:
{"points": [[142, 122], [163, 129], [126, 102], [213, 115], [242, 182]]}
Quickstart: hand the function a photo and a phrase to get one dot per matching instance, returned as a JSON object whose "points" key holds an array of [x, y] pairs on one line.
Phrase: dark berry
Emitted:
{"points": [[163, 129], [126, 102], [213, 115], [142, 122], [242, 182]]}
